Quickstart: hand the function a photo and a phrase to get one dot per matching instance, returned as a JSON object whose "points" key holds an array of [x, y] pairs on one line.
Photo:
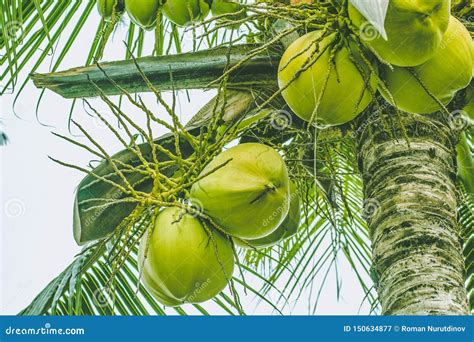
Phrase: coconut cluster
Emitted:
{"points": [[426, 58], [244, 195], [144, 13], [425, 88]]}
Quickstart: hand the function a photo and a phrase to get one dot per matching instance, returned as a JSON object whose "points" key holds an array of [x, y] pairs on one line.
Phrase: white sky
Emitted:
{"points": [[37, 195]]}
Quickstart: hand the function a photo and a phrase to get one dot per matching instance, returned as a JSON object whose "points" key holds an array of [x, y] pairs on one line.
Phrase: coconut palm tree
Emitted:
{"points": [[379, 192]]}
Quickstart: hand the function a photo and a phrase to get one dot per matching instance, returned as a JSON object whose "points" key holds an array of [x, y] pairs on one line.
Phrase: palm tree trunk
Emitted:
{"points": [[411, 208]]}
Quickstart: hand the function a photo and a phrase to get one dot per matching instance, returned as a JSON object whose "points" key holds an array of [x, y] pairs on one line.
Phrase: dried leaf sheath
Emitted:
{"points": [[189, 71]]}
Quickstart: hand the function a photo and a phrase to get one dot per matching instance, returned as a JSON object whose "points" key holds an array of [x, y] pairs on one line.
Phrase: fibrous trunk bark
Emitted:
{"points": [[411, 208]]}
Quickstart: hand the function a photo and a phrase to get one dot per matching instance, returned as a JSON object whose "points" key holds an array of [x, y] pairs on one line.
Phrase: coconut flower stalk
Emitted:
{"points": [[171, 171]]}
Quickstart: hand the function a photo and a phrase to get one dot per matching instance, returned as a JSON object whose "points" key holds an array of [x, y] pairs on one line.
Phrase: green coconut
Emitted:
{"points": [[287, 229], [414, 30], [345, 95], [186, 12], [106, 7], [472, 55], [143, 12], [448, 71], [223, 7], [245, 190], [469, 107], [185, 262]]}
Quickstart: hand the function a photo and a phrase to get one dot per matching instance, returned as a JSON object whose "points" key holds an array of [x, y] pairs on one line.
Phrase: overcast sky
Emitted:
{"points": [[37, 195]]}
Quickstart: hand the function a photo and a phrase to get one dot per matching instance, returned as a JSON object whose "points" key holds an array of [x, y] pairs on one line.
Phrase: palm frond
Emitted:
{"points": [[35, 31], [35, 34], [84, 288]]}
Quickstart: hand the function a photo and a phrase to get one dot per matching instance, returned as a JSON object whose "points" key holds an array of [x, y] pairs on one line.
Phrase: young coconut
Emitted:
{"points": [[185, 262], [227, 7], [442, 76], [302, 74], [186, 12], [414, 30], [106, 8], [245, 190], [143, 12], [287, 229], [469, 106]]}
